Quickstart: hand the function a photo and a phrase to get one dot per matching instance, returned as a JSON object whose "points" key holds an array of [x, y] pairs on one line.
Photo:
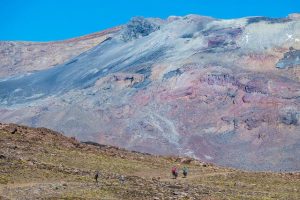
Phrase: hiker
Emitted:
{"points": [[185, 171], [122, 179], [174, 172], [96, 176]]}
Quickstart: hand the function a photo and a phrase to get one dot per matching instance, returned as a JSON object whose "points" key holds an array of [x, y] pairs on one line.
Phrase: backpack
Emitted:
{"points": [[174, 170], [185, 170]]}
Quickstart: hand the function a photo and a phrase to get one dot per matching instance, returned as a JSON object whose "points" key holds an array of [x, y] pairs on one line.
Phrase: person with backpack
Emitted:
{"points": [[185, 171], [174, 172]]}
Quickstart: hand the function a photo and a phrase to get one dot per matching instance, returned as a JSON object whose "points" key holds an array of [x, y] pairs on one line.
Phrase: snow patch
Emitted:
{"points": [[207, 157], [191, 154]]}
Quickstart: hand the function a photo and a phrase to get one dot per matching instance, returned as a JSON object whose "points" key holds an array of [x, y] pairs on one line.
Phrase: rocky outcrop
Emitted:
{"points": [[139, 27]]}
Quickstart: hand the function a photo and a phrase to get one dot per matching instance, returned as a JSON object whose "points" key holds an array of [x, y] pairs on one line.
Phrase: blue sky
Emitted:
{"points": [[46, 20]]}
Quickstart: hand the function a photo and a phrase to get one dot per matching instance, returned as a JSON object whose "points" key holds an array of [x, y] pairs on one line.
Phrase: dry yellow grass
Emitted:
{"points": [[39, 163]]}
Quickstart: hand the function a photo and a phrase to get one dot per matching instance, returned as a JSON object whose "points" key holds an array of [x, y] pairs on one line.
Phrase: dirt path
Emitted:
{"points": [[43, 189]]}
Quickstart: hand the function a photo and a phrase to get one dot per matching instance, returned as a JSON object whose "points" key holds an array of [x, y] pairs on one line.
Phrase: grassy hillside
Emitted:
{"points": [[42, 164]]}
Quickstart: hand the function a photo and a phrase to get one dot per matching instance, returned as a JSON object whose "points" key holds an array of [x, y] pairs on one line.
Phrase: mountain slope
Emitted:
{"points": [[27, 57], [43, 164], [223, 91]]}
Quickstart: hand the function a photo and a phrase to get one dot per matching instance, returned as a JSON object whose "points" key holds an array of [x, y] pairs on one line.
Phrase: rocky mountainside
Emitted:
{"points": [[37, 163], [222, 91], [27, 57]]}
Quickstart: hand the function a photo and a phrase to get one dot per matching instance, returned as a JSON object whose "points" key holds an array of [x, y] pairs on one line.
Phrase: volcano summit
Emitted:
{"points": [[222, 91]]}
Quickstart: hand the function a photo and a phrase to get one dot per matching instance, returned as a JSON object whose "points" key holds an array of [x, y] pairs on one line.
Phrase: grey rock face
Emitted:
{"points": [[268, 20], [290, 59]]}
